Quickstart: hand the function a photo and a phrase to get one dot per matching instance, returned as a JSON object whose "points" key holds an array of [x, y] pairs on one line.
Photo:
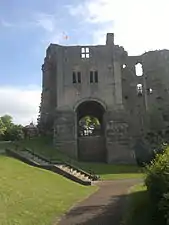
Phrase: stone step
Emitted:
{"points": [[63, 167], [74, 172], [35, 158]]}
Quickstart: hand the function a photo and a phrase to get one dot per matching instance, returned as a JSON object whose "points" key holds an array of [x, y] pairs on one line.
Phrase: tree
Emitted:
{"points": [[2, 128], [14, 132], [90, 121], [8, 130], [7, 120]]}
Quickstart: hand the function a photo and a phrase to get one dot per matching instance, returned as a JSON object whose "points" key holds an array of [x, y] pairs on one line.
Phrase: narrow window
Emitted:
{"points": [[149, 90], [87, 50], [82, 50], [79, 77], [139, 69], [96, 76], [83, 56], [87, 56], [139, 89], [74, 77], [91, 76]]}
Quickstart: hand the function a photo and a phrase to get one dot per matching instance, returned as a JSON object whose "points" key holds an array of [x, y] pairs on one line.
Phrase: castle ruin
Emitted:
{"points": [[102, 81]]}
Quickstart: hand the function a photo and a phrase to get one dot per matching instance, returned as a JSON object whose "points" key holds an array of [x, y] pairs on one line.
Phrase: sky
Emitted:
{"points": [[28, 27]]}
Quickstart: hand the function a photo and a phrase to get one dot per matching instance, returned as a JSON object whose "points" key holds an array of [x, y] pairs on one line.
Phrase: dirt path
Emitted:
{"points": [[105, 207]]}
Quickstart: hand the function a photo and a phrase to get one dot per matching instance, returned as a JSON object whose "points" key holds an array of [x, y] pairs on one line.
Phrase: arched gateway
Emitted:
{"points": [[91, 131], [82, 94]]}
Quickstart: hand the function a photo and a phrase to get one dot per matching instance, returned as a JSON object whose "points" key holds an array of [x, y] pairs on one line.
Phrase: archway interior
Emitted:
{"points": [[90, 119]]}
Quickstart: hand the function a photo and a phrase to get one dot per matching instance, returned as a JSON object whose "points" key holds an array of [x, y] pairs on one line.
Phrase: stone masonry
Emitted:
{"points": [[104, 74]]}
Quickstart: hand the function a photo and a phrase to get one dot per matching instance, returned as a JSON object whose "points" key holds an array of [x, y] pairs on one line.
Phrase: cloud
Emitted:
{"points": [[18, 24], [46, 21], [50, 25], [6, 24], [138, 25], [22, 103]]}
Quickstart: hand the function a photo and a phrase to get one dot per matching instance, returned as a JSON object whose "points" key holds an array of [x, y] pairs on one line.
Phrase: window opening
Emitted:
{"points": [[87, 56], [139, 69], [150, 90], [87, 50], [91, 76], [79, 77], [124, 66], [85, 53], [139, 89], [96, 76], [82, 50], [74, 77]]}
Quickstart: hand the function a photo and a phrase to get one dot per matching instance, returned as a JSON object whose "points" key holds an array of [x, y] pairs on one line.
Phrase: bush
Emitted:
{"points": [[164, 207], [157, 182]]}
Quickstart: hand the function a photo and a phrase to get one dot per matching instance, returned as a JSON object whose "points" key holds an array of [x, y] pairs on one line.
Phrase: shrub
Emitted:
{"points": [[164, 206], [157, 182]]}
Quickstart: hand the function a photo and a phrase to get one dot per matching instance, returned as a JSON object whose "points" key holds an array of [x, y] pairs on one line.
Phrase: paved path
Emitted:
{"points": [[104, 207]]}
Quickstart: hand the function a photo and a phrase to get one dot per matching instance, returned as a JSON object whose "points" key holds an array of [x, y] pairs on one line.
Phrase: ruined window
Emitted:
{"points": [[139, 89], [139, 69], [149, 90], [85, 53], [91, 76], [94, 76], [74, 77], [79, 77]]}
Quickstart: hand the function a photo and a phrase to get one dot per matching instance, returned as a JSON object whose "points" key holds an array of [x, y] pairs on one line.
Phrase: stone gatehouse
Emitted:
{"points": [[104, 82]]}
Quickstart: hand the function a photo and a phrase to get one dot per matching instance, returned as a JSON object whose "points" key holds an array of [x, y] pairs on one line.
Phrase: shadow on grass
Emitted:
{"points": [[139, 209]]}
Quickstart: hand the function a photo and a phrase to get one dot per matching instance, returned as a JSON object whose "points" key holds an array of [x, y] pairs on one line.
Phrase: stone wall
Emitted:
{"points": [[127, 110]]}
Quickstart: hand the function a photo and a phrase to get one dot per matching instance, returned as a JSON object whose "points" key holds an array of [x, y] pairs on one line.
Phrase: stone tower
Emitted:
{"points": [[99, 81]]}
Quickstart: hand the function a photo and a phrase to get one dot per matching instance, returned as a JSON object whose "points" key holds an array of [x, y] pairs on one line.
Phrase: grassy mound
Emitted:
{"points": [[32, 196]]}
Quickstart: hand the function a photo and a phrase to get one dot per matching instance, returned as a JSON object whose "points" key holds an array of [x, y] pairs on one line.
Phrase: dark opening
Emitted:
{"points": [[96, 76], [90, 108], [90, 130], [74, 77], [91, 76], [79, 77]]}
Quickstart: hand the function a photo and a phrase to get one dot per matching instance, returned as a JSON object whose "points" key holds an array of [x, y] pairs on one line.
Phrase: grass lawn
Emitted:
{"points": [[139, 208], [32, 196], [105, 171], [110, 172]]}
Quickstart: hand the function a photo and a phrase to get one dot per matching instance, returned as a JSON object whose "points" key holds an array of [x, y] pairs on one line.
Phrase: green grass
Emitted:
{"points": [[30, 196], [110, 171], [105, 171], [139, 207]]}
